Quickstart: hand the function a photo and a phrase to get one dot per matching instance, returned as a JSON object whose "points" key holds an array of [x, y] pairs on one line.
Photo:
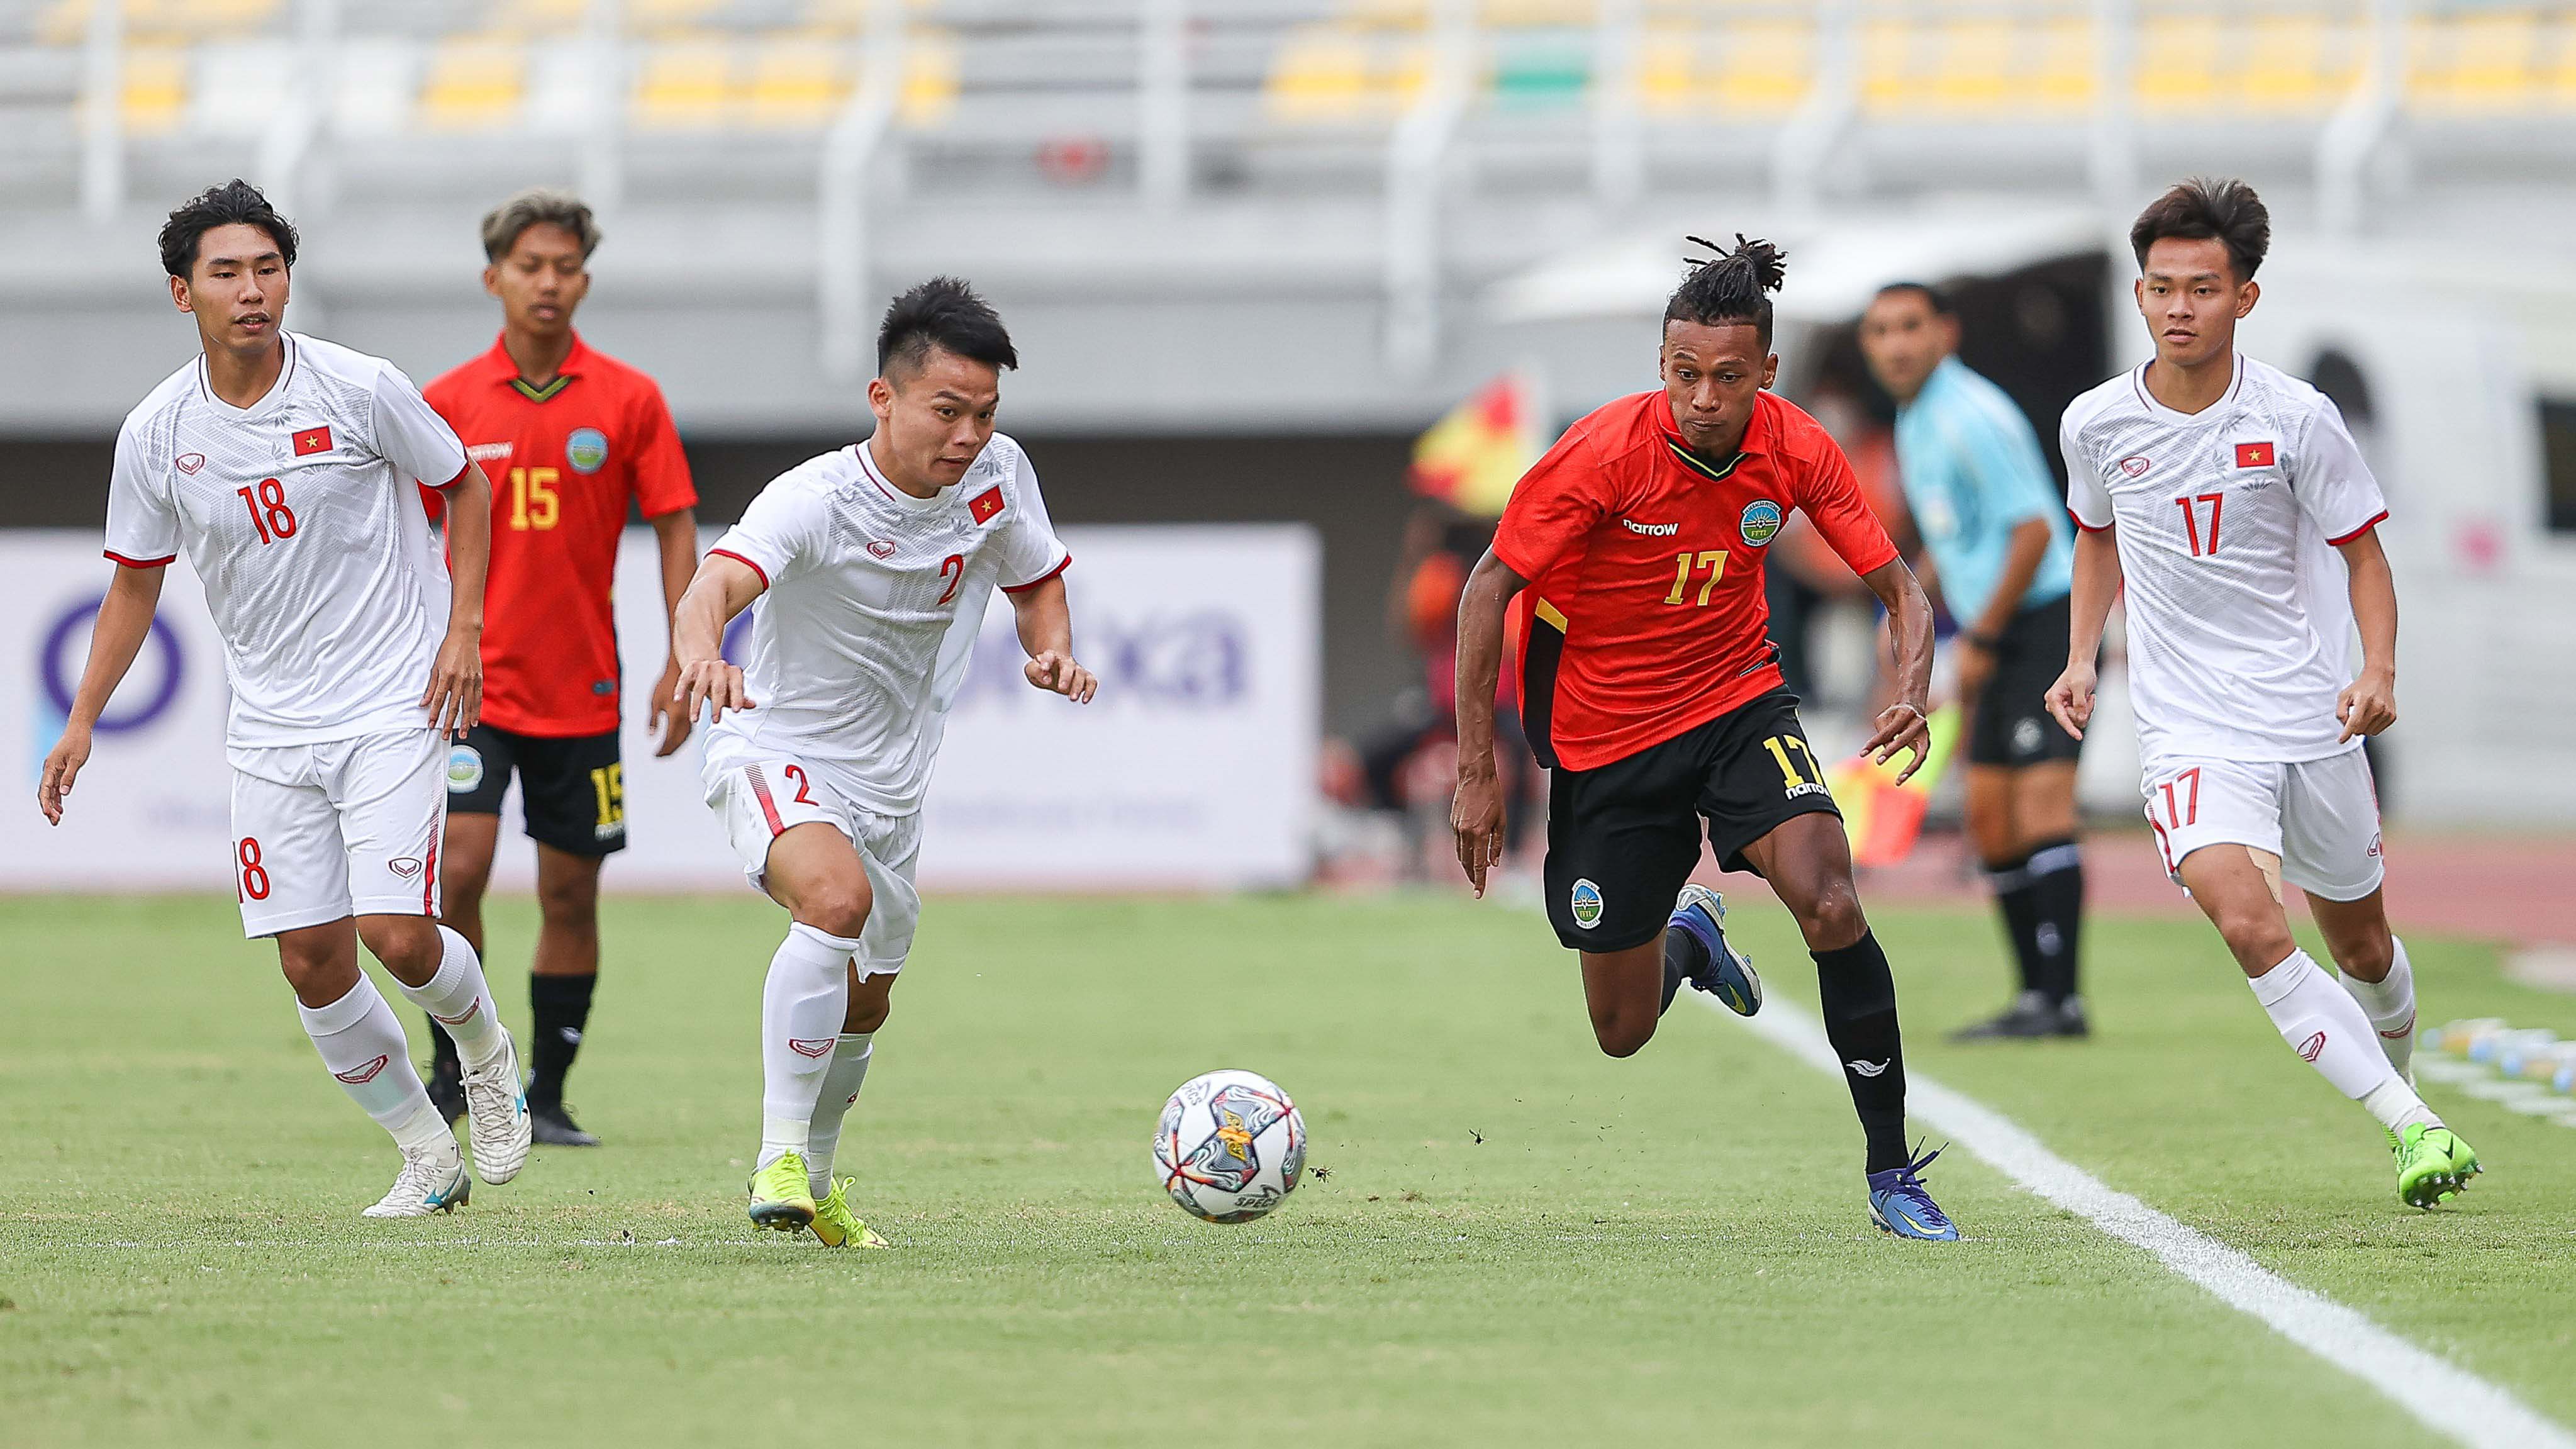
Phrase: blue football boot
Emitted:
{"points": [[1899, 1203], [1728, 975]]}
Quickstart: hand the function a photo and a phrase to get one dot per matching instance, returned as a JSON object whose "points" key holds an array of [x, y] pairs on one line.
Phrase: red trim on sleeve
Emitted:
{"points": [[459, 478], [1042, 578], [2087, 527], [746, 563], [154, 563], [2376, 519]]}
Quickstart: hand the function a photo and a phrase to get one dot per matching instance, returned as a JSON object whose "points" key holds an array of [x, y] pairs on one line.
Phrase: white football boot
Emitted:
{"points": [[497, 1106], [432, 1180]]}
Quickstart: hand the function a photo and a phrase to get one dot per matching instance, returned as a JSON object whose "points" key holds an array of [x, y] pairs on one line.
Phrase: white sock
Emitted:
{"points": [[2327, 1028], [801, 1009], [841, 1083], [461, 1000], [2390, 1005], [361, 1041]]}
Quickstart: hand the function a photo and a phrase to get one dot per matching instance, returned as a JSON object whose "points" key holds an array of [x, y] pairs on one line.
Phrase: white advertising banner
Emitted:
{"points": [[1194, 769]]}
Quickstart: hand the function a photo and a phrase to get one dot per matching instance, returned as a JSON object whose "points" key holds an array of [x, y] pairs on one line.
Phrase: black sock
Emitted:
{"points": [[1683, 956], [561, 1006], [442, 1051], [1858, 993], [2010, 881], [2057, 914]]}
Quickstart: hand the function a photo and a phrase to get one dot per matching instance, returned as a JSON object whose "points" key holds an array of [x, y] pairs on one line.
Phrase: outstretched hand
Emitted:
{"points": [[1058, 674], [713, 683]]}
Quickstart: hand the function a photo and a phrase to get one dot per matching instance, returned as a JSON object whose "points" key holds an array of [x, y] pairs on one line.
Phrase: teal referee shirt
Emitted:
{"points": [[1973, 471]]}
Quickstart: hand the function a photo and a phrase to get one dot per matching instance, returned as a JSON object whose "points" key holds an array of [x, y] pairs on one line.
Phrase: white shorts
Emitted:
{"points": [[762, 799], [343, 828], [2321, 817]]}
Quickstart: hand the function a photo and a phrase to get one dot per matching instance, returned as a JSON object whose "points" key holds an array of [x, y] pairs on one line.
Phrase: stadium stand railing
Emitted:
{"points": [[1161, 102]]}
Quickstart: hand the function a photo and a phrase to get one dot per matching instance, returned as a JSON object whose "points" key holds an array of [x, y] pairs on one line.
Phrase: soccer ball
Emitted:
{"points": [[1230, 1146]]}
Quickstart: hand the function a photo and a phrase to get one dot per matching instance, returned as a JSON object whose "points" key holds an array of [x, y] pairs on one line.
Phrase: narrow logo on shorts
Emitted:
{"points": [[405, 866], [363, 1073], [2027, 736], [1761, 522], [2136, 465], [819, 1048], [189, 463], [880, 548], [1586, 904], [464, 769], [586, 449], [2313, 1048]]}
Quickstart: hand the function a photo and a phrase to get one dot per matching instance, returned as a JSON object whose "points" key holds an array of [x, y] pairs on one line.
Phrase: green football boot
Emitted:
{"points": [[2433, 1164], [779, 1196], [837, 1226]]}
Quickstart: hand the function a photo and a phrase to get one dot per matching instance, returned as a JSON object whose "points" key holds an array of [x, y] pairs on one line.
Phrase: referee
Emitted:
{"points": [[573, 440], [1994, 521]]}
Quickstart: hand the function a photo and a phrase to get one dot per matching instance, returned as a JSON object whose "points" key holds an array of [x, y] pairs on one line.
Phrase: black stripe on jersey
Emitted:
{"points": [[1540, 652], [541, 394], [1701, 465]]}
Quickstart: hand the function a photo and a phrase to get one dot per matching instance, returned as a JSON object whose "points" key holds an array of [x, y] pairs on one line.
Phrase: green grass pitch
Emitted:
{"points": [[1518, 1242]]}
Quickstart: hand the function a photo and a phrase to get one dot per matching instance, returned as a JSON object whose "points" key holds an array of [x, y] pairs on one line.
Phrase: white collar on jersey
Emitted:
{"points": [[268, 401], [2215, 412], [885, 485]]}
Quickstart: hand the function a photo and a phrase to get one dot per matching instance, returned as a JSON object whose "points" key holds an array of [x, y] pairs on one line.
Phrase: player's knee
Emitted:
{"points": [[1623, 1036], [840, 907], [865, 1014], [2260, 939], [2369, 957], [409, 946], [1831, 919], [569, 905]]}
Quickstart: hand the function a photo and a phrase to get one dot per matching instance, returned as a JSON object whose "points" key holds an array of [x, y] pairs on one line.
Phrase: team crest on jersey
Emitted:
{"points": [[1586, 904], [464, 769], [1761, 522], [586, 449], [189, 463], [987, 505], [2136, 465]]}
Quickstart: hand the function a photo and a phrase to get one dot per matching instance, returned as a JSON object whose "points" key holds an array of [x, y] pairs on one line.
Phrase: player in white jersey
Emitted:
{"points": [[2221, 492], [871, 566], [284, 467]]}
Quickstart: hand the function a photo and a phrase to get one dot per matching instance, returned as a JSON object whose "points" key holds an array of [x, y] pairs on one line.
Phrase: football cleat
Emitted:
{"points": [[837, 1226], [552, 1125], [1701, 914], [780, 1195], [2030, 1017], [1899, 1203], [499, 1109], [432, 1180], [2433, 1164]]}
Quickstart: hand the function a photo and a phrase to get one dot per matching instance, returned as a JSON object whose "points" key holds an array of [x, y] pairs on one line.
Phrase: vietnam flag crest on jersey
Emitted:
{"points": [[987, 505], [2253, 455], [311, 441]]}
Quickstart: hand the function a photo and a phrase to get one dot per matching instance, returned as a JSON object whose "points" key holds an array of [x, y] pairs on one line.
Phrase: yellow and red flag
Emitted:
{"points": [[1471, 458], [1882, 818]]}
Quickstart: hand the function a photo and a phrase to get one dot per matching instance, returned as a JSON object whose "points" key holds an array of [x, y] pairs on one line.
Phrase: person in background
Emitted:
{"points": [[1810, 579], [572, 440], [1994, 522]]}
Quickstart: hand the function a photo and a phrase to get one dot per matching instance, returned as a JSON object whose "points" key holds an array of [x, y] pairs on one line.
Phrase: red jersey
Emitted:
{"points": [[565, 460], [1646, 613]]}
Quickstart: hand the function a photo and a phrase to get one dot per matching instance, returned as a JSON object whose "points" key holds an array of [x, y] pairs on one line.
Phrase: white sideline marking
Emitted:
{"points": [[2443, 1396]]}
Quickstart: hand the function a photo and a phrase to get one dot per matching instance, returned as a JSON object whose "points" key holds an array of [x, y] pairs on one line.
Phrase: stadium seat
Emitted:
{"points": [[474, 82], [156, 89]]}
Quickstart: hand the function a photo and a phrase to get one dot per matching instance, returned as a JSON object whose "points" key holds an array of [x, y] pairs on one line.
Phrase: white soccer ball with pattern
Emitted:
{"points": [[1230, 1146]]}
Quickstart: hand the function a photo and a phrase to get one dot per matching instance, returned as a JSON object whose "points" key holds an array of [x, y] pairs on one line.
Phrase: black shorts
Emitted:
{"points": [[573, 791], [1623, 839], [2013, 727]]}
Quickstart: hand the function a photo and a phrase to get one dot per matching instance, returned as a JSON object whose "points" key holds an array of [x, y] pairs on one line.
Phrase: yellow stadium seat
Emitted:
{"points": [[1765, 67], [2483, 62], [2175, 62], [156, 89], [929, 78], [2296, 62], [474, 82], [1321, 74], [2065, 80], [797, 82], [684, 84]]}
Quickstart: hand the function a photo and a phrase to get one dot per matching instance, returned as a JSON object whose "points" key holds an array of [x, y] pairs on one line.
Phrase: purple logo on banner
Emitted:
{"points": [[59, 683]]}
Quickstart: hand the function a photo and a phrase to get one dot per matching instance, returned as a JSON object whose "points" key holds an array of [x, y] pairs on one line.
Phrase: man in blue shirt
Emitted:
{"points": [[1994, 521]]}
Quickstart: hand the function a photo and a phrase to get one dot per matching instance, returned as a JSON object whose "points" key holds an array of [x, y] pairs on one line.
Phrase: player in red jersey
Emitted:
{"points": [[571, 439], [1653, 694]]}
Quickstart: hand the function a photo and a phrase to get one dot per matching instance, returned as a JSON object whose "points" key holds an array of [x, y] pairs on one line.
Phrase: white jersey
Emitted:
{"points": [[300, 516], [874, 600], [2240, 619]]}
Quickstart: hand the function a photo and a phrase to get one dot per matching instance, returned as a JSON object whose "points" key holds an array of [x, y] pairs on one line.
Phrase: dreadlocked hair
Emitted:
{"points": [[1733, 286]]}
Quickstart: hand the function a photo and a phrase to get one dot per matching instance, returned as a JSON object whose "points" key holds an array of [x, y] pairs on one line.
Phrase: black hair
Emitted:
{"points": [[1733, 286], [945, 313], [2202, 208], [1934, 297], [235, 203]]}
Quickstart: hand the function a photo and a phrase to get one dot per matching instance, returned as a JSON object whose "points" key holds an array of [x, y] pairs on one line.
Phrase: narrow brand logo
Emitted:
{"points": [[1650, 530], [462, 1017], [405, 866], [2313, 1048], [361, 1075]]}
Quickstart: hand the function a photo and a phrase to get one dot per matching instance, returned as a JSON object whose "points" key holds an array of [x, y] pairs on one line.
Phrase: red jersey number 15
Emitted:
{"points": [[1687, 564]]}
